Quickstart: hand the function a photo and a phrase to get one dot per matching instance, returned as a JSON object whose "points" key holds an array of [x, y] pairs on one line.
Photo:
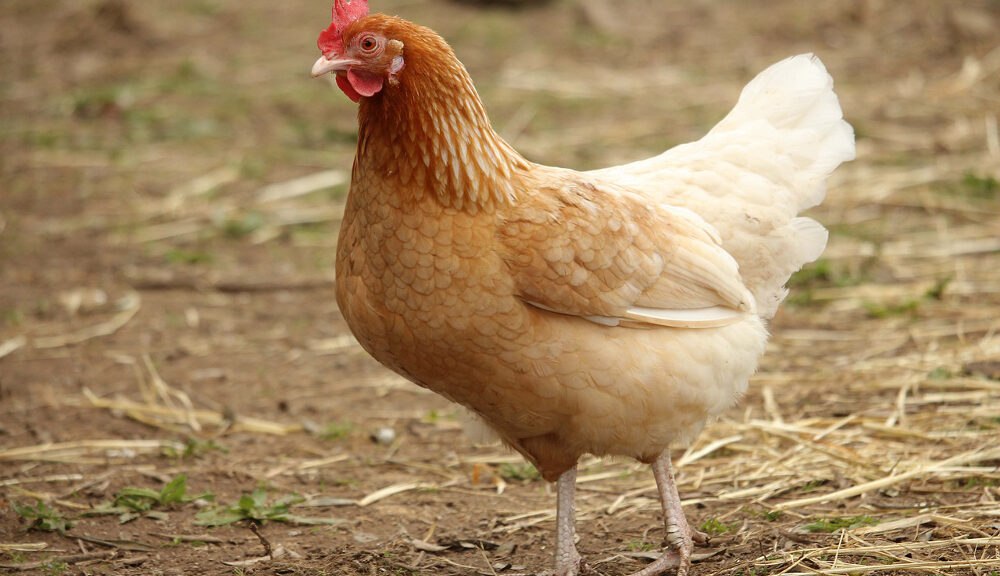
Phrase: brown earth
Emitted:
{"points": [[156, 296]]}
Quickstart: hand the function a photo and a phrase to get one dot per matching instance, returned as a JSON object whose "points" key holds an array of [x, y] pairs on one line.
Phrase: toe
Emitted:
{"points": [[669, 561]]}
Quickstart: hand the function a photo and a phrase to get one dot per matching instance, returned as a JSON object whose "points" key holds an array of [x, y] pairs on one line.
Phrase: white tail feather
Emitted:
{"points": [[810, 237], [765, 162], [796, 97]]}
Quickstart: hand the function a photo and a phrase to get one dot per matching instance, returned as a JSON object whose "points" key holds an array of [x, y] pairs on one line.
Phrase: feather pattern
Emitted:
{"points": [[608, 312]]}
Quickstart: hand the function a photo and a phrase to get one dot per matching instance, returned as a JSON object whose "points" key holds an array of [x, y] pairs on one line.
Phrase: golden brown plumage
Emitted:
{"points": [[573, 312]]}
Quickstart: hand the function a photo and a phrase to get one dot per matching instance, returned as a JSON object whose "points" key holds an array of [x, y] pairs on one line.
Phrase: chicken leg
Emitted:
{"points": [[568, 560], [680, 537]]}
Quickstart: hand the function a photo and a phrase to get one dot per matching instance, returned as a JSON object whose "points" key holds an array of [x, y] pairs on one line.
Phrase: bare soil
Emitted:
{"points": [[166, 297]]}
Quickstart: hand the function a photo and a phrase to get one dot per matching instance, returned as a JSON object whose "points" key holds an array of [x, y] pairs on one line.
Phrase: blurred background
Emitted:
{"points": [[171, 183]]}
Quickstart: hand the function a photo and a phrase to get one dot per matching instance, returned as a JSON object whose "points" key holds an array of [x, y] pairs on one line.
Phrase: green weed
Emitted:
{"points": [[103, 101], [256, 508], [55, 568], [335, 430], [194, 448], [131, 502], [879, 310], [433, 417], [971, 185], [714, 527], [11, 316], [939, 373], [910, 306], [980, 186], [773, 515], [976, 482], [936, 292], [524, 472], [821, 274], [181, 256], [243, 226], [44, 518], [812, 485], [835, 524], [640, 546]]}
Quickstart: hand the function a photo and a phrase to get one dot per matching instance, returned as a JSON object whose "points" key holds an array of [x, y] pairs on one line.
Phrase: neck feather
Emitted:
{"points": [[431, 133]]}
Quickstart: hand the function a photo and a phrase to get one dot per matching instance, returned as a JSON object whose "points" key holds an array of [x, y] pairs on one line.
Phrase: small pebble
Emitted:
{"points": [[384, 436]]}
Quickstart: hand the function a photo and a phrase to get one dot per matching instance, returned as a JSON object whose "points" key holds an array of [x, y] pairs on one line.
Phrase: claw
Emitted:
{"points": [[667, 561]]}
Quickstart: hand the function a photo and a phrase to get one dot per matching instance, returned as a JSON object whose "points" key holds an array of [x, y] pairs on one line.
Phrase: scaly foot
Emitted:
{"points": [[680, 537], [568, 560], [580, 568], [664, 564]]}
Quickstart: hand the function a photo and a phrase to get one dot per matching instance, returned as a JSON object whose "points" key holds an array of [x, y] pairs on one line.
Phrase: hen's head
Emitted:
{"points": [[359, 50]]}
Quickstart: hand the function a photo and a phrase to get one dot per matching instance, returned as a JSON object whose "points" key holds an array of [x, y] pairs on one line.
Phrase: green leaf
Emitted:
{"points": [[714, 527], [254, 507], [307, 520], [285, 502], [835, 524], [46, 519], [105, 509], [127, 517], [218, 516], [139, 499], [246, 503], [133, 492], [259, 496], [174, 491], [523, 472]]}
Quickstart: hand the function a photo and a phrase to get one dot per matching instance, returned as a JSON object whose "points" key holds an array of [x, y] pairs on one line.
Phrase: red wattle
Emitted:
{"points": [[345, 85], [364, 83]]}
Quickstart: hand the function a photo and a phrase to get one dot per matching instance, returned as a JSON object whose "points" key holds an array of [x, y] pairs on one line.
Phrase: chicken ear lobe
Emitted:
{"points": [[397, 64]]}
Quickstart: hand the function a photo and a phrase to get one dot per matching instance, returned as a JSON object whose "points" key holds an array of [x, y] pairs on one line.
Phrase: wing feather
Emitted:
{"points": [[588, 248]]}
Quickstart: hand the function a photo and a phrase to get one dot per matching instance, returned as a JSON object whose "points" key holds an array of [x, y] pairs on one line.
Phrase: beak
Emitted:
{"points": [[325, 65]]}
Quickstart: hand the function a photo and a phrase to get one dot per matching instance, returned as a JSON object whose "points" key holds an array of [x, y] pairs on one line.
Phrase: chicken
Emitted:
{"points": [[611, 312]]}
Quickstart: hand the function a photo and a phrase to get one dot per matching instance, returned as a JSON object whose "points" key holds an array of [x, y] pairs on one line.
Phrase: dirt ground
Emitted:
{"points": [[171, 182]]}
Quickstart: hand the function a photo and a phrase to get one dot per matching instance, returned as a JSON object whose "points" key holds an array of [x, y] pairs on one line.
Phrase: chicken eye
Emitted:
{"points": [[369, 43]]}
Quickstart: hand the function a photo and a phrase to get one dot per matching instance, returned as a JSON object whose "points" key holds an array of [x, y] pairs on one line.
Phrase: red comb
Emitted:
{"points": [[344, 13]]}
